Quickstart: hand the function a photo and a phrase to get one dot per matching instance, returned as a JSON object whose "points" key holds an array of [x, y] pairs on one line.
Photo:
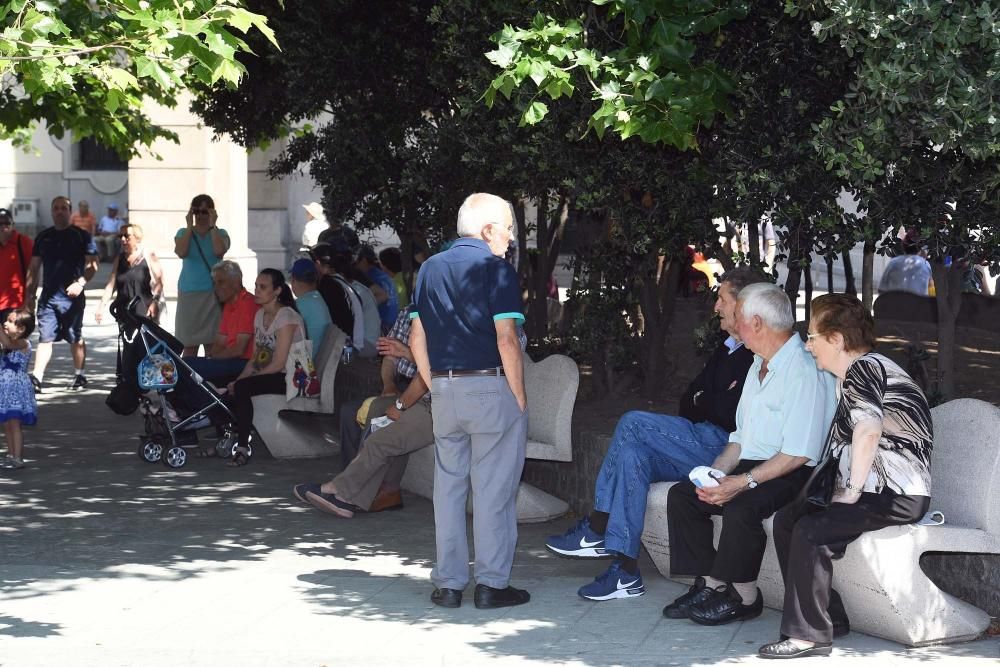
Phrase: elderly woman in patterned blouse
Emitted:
{"points": [[882, 432]]}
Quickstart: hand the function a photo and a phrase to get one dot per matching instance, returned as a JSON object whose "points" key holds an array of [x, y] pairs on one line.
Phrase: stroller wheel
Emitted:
{"points": [[224, 446], [175, 457], [150, 451]]}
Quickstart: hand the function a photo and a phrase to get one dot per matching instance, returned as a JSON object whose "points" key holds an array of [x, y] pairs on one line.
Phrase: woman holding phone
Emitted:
{"points": [[201, 245]]}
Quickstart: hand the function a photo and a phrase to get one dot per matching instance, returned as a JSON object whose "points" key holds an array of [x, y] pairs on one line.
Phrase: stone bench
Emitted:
{"points": [[285, 426], [885, 592], [551, 385]]}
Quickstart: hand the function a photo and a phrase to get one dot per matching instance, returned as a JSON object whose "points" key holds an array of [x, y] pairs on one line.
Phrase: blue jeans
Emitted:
{"points": [[217, 371], [646, 448]]}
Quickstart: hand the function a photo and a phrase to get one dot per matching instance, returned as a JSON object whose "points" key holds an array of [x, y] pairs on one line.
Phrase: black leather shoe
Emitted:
{"points": [[447, 597], [725, 606], [681, 607], [492, 598], [785, 650]]}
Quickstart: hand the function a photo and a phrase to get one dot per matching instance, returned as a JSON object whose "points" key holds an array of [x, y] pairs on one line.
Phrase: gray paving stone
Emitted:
{"points": [[106, 560]]}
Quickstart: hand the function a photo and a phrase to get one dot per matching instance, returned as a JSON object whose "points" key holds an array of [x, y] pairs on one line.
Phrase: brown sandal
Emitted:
{"points": [[240, 458]]}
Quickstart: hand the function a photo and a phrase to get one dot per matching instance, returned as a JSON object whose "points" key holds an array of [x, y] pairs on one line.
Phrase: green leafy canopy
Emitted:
{"points": [[89, 67], [638, 58]]}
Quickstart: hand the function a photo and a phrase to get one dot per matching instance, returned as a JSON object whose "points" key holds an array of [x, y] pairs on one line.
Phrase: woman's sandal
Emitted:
{"points": [[240, 459]]}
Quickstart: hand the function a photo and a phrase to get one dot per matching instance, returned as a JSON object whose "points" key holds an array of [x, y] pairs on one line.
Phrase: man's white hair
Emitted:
{"points": [[768, 302], [229, 268], [481, 209]]}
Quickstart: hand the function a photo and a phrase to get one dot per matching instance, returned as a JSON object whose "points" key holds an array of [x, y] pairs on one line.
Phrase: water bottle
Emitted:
{"points": [[348, 354]]}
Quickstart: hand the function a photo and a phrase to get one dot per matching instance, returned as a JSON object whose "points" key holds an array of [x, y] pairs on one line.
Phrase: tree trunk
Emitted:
{"points": [[948, 297], [658, 296], [809, 292], [406, 259], [794, 277], [538, 316], [753, 240], [868, 275], [829, 274], [850, 287]]}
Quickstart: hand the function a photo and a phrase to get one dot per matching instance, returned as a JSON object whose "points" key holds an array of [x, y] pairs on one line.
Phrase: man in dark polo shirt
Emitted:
{"points": [[68, 259], [467, 305]]}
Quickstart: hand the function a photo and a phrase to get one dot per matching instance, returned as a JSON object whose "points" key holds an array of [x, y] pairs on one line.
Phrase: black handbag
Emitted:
{"points": [[818, 489], [822, 482]]}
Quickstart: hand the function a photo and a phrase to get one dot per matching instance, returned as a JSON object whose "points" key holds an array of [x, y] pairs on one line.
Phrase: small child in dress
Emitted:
{"points": [[17, 397]]}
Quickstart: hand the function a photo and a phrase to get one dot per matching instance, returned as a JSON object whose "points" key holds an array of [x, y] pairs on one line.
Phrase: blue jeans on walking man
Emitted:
{"points": [[646, 448]]}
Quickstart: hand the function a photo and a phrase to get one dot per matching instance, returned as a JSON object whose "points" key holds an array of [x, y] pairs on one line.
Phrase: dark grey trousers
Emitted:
{"points": [[808, 540], [480, 435]]}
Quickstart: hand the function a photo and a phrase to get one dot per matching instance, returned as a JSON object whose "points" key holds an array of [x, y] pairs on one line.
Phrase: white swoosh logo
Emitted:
{"points": [[586, 545], [622, 586]]}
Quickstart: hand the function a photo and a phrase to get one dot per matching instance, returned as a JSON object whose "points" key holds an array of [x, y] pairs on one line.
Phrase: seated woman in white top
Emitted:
{"points": [[276, 326]]}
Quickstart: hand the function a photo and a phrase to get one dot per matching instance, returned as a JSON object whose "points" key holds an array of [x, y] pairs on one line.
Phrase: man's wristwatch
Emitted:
{"points": [[751, 482], [399, 405], [849, 487]]}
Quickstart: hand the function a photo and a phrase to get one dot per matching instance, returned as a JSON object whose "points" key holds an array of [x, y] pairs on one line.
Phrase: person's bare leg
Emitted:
{"points": [[79, 350], [15, 438], [42, 357], [191, 350]]}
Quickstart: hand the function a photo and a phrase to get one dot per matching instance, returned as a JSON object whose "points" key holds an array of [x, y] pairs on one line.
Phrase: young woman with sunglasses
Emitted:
{"points": [[201, 245]]}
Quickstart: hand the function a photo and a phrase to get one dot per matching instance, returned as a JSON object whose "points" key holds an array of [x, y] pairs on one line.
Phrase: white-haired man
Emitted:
{"points": [[467, 305], [781, 422], [233, 344]]}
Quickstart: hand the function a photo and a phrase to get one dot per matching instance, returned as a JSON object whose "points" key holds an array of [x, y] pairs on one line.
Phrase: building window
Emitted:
{"points": [[92, 156]]}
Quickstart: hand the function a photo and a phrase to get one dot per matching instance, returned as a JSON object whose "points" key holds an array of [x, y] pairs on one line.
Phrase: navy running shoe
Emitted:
{"points": [[579, 542], [614, 583]]}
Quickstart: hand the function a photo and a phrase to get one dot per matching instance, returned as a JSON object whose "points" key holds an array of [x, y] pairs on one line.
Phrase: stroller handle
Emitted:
{"points": [[127, 315]]}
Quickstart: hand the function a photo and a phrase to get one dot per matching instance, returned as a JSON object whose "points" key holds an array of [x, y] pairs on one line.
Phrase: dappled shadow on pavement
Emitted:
{"points": [[87, 510]]}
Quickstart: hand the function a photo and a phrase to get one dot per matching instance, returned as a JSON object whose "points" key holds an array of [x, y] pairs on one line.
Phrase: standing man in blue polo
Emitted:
{"points": [[467, 305]]}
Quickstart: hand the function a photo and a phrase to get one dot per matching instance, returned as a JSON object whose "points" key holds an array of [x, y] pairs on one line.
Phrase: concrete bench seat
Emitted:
{"points": [[551, 385], [285, 434], [885, 592]]}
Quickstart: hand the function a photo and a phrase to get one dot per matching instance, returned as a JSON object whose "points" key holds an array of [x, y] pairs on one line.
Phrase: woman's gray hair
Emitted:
{"points": [[230, 268], [768, 302], [481, 209]]}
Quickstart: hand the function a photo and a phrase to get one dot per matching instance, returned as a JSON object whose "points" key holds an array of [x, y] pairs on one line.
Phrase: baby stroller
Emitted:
{"points": [[174, 400]]}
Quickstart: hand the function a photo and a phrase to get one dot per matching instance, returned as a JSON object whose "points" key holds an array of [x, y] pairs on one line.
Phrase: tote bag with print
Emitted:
{"points": [[301, 379]]}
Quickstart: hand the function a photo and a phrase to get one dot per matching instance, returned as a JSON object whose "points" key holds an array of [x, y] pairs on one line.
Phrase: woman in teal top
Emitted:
{"points": [[201, 245]]}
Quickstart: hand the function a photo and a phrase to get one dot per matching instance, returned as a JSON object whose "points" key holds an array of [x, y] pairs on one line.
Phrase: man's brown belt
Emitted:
{"points": [[465, 373]]}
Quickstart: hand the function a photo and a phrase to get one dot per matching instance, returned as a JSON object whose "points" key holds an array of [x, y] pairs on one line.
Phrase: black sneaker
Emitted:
{"points": [[79, 383], [36, 384], [681, 607], [725, 606]]}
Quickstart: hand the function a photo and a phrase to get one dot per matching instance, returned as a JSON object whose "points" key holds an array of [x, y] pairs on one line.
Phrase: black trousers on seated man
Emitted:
{"points": [[743, 540]]}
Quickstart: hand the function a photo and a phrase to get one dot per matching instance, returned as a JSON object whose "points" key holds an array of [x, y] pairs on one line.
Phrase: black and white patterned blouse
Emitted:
{"points": [[875, 388]]}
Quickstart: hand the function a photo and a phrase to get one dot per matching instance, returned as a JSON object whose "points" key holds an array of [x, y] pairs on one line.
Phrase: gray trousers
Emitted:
{"points": [[480, 435], [384, 454]]}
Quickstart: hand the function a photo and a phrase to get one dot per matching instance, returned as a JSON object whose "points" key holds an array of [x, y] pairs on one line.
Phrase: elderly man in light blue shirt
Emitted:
{"points": [[782, 422]]}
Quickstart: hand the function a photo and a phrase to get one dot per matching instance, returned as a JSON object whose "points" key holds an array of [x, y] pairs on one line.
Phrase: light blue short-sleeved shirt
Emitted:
{"points": [[790, 411], [316, 315]]}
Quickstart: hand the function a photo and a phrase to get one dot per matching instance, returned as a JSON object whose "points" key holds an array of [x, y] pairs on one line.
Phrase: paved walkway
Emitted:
{"points": [[106, 560]]}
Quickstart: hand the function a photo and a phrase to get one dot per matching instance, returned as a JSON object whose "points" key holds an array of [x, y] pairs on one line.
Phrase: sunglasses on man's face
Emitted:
{"points": [[6, 223], [201, 211]]}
